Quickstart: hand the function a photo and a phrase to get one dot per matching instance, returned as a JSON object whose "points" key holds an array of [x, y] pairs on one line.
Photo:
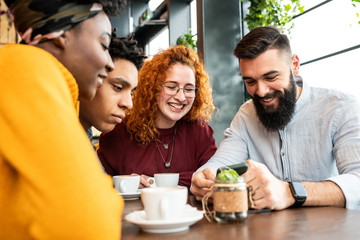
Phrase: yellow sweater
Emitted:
{"points": [[51, 183]]}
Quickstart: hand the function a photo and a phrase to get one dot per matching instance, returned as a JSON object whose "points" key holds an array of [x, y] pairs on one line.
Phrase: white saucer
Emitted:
{"points": [[191, 215], [130, 196]]}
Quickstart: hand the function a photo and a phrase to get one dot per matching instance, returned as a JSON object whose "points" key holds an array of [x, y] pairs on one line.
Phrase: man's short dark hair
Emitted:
{"points": [[261, 39], [126, 48]]}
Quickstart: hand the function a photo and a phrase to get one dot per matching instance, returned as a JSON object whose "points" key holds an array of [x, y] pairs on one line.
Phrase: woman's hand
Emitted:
{"points": [[144, 182]]}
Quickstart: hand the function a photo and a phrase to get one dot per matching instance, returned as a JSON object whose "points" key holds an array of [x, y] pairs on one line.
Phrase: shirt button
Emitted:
{"points": [[286, 180], [282, 153]]}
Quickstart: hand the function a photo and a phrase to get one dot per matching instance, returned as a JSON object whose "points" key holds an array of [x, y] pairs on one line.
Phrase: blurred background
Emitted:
{"points": [[324, 34]]}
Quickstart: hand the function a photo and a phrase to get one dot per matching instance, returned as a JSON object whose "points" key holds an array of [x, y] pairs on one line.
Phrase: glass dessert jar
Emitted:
{"points": [[230, 202]]}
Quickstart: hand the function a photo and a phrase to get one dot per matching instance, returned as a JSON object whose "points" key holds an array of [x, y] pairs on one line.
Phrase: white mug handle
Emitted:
{"points": [[122, 186], [153, 180], [164, 209]]}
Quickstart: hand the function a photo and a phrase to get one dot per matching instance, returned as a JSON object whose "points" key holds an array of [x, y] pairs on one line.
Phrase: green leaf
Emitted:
{"points": [[272, 13], [186, 39], [287, 7]]}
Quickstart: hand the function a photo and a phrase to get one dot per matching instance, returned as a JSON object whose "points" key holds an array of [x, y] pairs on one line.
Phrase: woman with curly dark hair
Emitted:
{"points": [[166, 130]]}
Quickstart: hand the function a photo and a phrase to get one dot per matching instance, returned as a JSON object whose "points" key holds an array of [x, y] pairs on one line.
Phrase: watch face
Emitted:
{"points": [[299, 189]]}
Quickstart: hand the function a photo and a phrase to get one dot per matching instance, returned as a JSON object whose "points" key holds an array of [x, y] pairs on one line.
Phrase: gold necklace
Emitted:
{"points": [[167, 164]]}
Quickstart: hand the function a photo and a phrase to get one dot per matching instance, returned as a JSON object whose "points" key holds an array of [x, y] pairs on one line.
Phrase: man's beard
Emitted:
{"points": [[272, 118]]}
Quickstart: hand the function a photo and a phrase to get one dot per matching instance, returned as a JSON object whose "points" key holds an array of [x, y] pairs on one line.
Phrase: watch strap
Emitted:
{"points": [[299, 198]]}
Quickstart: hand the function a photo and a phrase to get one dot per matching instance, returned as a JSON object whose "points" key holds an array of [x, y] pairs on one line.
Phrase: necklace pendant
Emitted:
{"points": [[166, 146], [168, 164]]}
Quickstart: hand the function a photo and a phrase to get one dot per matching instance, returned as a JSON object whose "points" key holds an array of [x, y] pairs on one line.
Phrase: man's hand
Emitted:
{"points": [[267, 190], [202, 182]]}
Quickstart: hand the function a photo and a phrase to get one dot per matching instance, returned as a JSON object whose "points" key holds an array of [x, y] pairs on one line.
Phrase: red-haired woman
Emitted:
{"points": [[166, 130]]}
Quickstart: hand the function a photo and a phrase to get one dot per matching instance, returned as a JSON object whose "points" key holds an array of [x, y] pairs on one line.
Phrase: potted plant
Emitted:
{"points": [[187, 40], [272, 12]]}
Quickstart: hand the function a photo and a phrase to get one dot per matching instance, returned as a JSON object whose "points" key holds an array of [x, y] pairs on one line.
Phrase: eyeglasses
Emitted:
{"points": [[173, 89]]}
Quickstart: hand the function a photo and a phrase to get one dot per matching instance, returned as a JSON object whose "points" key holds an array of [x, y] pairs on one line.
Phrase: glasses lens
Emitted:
{"points": [[189, 91], [172, 89]]}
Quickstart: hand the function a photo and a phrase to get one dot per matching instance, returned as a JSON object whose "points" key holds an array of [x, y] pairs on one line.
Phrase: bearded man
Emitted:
{"points": [[301, 144]]}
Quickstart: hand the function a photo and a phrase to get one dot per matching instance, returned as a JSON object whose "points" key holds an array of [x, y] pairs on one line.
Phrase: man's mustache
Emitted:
{"points": [[269, 95]]}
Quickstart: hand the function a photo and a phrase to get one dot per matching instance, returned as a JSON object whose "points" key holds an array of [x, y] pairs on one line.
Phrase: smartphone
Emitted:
{"points": [[239, 168]]}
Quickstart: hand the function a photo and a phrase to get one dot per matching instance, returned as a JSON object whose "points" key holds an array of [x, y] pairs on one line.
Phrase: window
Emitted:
{"points": [[159, 42], [153, 4], [193, 17], [327, 41]]}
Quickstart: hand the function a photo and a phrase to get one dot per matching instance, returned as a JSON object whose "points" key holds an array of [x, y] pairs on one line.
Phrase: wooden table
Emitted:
{"points": [[309, 223]]}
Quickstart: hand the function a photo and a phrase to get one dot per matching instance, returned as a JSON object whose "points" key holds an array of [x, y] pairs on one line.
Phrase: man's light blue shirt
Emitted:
{"points": [[321, 142]]}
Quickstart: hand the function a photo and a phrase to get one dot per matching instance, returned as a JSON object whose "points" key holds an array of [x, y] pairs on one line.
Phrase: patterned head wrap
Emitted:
{"points": [[40, 20]]}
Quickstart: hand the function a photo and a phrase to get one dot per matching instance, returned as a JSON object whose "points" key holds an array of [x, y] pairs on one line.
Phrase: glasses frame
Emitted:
{"points": [[178, 89]]}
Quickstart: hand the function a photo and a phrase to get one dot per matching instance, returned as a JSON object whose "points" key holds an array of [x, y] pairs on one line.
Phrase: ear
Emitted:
{"points": [[61, 41], [295, 64]]}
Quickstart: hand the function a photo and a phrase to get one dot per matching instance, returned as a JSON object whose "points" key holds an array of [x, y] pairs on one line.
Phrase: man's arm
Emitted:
{"points": [[270, 192], [325, 193], [346, 151]]}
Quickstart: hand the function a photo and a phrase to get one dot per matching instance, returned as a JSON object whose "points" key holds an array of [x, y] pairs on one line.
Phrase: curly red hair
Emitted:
{"points": [[140, 120]]}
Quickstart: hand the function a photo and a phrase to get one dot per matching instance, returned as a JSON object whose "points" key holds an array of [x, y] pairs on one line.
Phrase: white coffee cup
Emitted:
{"points": [[126, 183], [164, 203], [165, 179]]}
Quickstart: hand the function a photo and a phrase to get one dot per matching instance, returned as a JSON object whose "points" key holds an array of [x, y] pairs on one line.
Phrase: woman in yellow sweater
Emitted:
{"points": [[51, 184]]}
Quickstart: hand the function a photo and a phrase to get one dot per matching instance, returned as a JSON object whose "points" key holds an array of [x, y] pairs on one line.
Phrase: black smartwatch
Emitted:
{"points": [[298, 192]]}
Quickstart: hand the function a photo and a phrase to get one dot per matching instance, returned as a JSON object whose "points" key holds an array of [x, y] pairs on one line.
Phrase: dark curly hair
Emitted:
{"points": [[126, 48]]}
